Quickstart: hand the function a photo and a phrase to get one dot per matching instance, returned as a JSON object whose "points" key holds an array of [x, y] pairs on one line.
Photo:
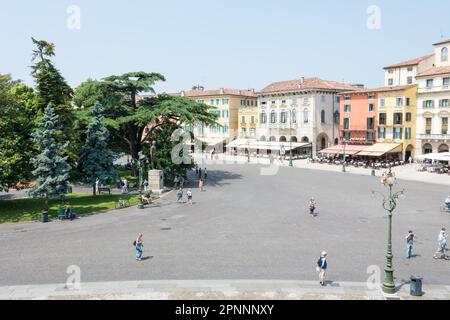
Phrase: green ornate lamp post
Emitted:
{"points": [[389, 204]]}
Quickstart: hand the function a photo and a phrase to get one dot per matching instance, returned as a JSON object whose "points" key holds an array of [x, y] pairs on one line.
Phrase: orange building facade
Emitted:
{"points": [[358, 117]]}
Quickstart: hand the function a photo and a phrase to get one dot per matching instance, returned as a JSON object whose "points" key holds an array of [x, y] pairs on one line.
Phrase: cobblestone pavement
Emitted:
{"points": [[244, 226]]}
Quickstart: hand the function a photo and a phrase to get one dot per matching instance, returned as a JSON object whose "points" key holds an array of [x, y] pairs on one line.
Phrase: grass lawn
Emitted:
{"points": [[30, 209]]}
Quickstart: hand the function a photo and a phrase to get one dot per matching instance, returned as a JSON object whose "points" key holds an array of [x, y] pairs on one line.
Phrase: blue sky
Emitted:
{"points": [[238, 44]]}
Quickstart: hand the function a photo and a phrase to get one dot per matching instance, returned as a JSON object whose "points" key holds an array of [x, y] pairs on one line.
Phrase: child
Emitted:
{"points": [[189, 196], [180, 195]]}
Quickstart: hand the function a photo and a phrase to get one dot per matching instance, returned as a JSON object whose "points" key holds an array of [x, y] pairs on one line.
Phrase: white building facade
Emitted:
{"points": [[305, 111], [433, 103], [405, 73]]}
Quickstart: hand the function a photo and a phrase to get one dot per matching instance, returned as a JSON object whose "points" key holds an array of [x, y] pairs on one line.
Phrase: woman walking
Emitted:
{"points": [[200, 185], [138, 244]]}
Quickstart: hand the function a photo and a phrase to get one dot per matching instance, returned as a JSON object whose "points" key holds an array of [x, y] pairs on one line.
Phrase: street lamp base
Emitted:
{"points": [[389, 288]]}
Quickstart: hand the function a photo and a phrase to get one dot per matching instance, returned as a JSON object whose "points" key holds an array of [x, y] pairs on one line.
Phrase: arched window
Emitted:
{"points": [[283, 139], [273, 139], [273, 117], [322, 116], [444, 54], [263, 118], [306, 116], [263, 138], [294, 116]]}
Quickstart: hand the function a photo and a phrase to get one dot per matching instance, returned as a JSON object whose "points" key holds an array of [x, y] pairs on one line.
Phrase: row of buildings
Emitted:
{"points": [[407, 117]]}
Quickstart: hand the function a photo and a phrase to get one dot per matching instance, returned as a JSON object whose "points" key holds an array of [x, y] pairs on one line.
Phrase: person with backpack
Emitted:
{"points": [[322, 267], [409, 244], [180, 195], [138, 245], [312, 206]]}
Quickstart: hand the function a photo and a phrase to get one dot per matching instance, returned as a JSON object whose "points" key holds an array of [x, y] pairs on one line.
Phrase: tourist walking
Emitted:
{"points": [[196, 169], [145, 185], [206, 174], [409, 244], [175, 182], [138, 245], [125, 186], [180, 195], [312, 206], [199, 173], [442, 245], [189, 196], [97, 186], [322, 267], [200, 185]]}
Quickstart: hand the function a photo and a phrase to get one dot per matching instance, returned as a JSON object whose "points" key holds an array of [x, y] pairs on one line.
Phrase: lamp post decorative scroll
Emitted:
{"points": [[389, 204]]}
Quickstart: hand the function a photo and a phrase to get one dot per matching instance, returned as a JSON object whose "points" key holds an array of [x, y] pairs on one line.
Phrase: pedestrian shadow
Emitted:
{"points": [[147, 258], [216, 178]]}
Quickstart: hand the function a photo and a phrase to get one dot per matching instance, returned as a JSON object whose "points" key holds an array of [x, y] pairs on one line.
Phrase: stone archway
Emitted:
{"points": [[322, 141], [409, 152], [263, 138], [305, 140], [283, 139], [427, 148], [273, 139], [294, 139], [443, 148]]}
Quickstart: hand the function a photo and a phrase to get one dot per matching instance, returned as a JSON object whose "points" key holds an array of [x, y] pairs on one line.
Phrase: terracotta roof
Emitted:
{"points": [[382, 89], [435, 71], [309, 83], [441, 42], [219, 92], [412, 62]]}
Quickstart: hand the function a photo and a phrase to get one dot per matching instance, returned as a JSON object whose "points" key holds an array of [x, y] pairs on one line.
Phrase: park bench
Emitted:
{"points": [[63, 216], [104, 190]]}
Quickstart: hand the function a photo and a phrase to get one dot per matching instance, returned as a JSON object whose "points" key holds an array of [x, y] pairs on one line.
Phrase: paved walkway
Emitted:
{"points": [[407, 172], [216, 290]]}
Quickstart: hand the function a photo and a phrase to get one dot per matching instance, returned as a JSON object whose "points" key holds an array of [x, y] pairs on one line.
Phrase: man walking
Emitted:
{"points": [[180, 195], [322, 266], [409, 244], [206, 174], [200, 173], [138, 245]]}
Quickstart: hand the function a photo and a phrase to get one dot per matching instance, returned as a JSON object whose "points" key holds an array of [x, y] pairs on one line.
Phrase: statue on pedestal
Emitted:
{"points": [[154, 161]]}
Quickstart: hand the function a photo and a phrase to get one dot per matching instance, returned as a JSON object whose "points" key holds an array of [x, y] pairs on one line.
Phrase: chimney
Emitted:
{"points": [[222, 90], [302, 80]]}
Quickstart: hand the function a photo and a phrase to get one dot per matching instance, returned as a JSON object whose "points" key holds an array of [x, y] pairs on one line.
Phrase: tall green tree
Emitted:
{"points": [[17, 122], [129, 117], [51, 167], [96, 160]]}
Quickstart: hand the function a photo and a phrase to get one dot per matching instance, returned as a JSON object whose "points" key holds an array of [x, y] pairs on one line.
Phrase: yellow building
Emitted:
{"points": [[397, 118], [227, 104], [248, 119]]}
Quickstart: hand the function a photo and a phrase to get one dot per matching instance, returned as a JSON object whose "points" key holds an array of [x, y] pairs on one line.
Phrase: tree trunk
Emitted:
{"points": [[46, 203], [94, 190]]}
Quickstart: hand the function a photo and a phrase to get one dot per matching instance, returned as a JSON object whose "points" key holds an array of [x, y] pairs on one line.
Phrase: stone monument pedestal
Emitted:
{"points": [[156, 181]]}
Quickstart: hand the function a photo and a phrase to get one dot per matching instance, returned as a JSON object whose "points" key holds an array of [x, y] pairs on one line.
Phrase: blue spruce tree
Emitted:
{"points": [[51, 167], [96, 159]]}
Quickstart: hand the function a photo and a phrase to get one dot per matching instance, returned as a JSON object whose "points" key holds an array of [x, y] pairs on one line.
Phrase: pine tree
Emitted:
{"points": [[96, 159], [51, 167]]}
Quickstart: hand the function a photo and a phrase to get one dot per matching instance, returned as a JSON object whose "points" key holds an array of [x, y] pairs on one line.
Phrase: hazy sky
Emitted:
{"points": [[239, 44]]}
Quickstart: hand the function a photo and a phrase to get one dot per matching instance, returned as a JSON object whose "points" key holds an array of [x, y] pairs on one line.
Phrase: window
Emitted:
{"points": [[252, 120], [337, 117], [398, 133], [306, 100], [211, 102], [347, 136], [217, 102], [370, 124], [305, 116], [408, 102], [243, 120], [294, 116], [444, 125], [283, 117], [382, 119], [273, 117], [322, 117], [390, 82], [371, 97], [391, 71], [398, 118], [409, 80], [263, 103], [347, 108], [430, 83], [428, 125], [370, 136], [273, 102], [399, 102], [283, 101], [410, 69], [445, 82], [346, 124], [408, 134], [444, 54], [408, 117], [338, 99], [371, 107], [382, 133], [443, 103], [263, 118], [323, 98], [347, 98], [427, 104], [383, 102]]}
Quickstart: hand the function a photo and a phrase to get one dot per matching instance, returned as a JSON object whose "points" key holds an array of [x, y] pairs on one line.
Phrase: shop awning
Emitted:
{"points": [[349, 149], [445, 156], [266, 145], [380, 149], [213, 141]]}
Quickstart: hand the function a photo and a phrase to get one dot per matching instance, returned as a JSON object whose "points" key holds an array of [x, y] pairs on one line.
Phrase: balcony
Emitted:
{"points": [[434, 136]]}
